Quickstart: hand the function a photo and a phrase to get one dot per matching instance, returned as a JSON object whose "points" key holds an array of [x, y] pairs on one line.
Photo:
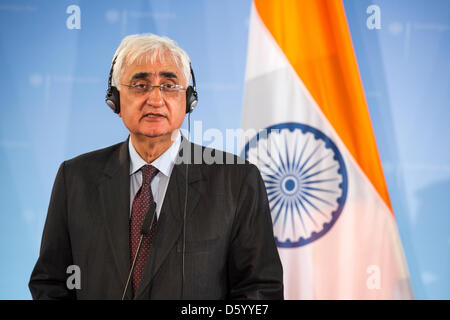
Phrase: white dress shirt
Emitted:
{"points": [[164, 163]]}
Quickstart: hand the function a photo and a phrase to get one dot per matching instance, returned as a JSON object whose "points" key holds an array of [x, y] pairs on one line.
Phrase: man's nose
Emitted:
{"points": [[155, 97]]}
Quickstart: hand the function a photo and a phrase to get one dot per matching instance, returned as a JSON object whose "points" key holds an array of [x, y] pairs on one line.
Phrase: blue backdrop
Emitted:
{"points": [[55, 59]]}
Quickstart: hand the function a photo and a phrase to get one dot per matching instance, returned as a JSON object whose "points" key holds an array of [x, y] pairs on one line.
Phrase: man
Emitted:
{"points": [[211, 237]]}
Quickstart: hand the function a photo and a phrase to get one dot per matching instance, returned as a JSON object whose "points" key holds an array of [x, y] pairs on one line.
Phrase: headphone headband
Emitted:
{"points": [[111, 72]]}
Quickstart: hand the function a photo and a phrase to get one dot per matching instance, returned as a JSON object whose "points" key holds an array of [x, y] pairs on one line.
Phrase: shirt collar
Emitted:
{"points": [[164, 163]]}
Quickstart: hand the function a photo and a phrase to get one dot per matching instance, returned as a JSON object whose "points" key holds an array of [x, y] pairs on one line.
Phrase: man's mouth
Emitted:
{"points": [[154, 115]]}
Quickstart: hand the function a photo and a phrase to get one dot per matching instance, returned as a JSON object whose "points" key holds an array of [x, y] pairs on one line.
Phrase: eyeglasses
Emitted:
{"points": [[142, 87]]}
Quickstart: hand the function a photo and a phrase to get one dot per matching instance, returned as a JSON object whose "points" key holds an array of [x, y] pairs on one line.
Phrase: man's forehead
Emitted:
{"points": [[153, 65], [155, 58]]}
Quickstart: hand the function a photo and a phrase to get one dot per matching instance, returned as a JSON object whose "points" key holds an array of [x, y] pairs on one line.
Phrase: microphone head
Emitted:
{"points": [[148, 220]]}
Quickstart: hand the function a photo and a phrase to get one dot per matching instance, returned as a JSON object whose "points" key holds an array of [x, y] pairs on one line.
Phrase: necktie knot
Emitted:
{"points": [[148, 173]]}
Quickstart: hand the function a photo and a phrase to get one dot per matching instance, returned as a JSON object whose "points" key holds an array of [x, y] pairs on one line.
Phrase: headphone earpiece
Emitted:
{"points": [[112, 97], [191, 99], [191, 94]]}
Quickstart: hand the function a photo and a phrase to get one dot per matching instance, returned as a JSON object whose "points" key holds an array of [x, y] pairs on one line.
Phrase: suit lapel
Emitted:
{"points": [[170, 222], [114, 191]]}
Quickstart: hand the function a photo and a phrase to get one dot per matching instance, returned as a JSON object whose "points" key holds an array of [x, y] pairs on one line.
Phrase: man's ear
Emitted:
{"points": [[120, 112]]}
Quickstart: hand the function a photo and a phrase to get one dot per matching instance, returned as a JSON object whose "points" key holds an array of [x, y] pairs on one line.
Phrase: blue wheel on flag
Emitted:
{"points": [[305, 177]]}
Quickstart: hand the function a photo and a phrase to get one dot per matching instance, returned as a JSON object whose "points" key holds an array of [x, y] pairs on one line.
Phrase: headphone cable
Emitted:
{"points": [[184, 213]]}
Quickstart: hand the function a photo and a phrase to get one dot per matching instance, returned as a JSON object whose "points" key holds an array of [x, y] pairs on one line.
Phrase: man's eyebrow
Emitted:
{"points": [[140, 75], [168, 74], [164, 74]]}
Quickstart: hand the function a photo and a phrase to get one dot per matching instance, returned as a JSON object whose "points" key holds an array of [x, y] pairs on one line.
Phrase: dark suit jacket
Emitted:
{"points": [[229, 247]]}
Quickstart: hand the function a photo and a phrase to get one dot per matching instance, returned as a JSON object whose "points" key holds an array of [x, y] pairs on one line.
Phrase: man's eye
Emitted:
{"points": [[140, 86], [170, 87]]}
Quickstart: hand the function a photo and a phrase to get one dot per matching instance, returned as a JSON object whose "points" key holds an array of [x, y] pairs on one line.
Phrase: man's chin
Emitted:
{"points": [[156, 133]]}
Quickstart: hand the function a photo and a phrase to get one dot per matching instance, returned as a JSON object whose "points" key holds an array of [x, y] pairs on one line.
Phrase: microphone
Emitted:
{"points": [[145, 229], [148, 220]]}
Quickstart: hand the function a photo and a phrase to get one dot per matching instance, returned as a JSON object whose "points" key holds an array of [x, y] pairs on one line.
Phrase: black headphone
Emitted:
{"points": [[112, 97]]}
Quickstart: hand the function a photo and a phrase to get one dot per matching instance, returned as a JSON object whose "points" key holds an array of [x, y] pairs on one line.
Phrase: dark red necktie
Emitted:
{"points": [[141, 204]]}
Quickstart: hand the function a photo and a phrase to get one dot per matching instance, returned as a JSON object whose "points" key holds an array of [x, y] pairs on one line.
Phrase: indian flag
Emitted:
{"points": [[313, 143]]}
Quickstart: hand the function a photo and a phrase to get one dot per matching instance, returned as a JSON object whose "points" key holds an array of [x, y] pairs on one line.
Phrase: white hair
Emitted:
{"points": [[148, 46]]}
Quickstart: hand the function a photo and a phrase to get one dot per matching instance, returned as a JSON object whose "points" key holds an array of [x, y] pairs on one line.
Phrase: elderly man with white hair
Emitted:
{"points": [[133, 221]]}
